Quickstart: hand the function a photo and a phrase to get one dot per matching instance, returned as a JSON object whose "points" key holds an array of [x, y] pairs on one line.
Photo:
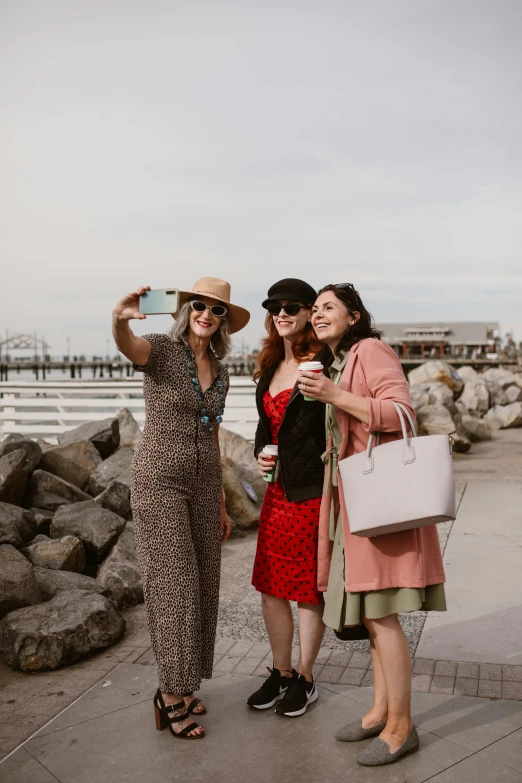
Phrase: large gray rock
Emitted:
{"points": [[62, 554], [32, 450], [116, 498], [437, 420], [119, 572], [438, 392], [467, 373], [52, 583], [497, 395], [18, 586], [478, 429], [73, 462], [96, 527], [420, 396], [60, 631], [43, 519], [116, 467], [130, 432], [436, 370], [241, 452], [514, 394], [504, 378], [476, 396], [14, 471], [104, 434], [17, 525], [508, 416], [240, 508], [50, 492]]}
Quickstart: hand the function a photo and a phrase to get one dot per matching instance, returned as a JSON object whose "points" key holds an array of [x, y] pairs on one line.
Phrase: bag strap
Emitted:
{"points": [[408, 453]]}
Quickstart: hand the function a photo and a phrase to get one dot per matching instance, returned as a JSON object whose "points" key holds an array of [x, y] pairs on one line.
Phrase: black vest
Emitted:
{"points": [[301, 438]]}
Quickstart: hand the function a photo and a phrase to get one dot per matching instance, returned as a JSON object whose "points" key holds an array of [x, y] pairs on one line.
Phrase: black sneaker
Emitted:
{"points": [[299, 695], [273, 689]]}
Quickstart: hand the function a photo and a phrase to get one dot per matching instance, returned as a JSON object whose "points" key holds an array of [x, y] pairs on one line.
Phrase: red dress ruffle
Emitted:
{"points": [[286, 555]]}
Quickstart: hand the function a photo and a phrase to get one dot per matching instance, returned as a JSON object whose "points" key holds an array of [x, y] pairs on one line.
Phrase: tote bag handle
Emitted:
{"points": [[408, 452]]}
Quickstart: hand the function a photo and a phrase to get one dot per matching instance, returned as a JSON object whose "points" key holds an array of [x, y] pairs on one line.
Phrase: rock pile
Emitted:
{"points": [[464, 403], [68, 561]]}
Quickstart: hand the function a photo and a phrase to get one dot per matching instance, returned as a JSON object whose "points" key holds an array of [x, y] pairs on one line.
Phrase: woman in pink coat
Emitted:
{"points": [[369, 580]]}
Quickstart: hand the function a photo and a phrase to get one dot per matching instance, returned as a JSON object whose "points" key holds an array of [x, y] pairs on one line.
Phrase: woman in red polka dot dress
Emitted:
{"points": [[285, 567]]}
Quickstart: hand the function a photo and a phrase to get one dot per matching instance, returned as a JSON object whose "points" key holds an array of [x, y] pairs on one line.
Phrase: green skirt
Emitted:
{"points": [[344, 609]]}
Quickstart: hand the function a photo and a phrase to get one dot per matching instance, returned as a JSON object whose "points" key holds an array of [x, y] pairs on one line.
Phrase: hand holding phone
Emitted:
{"points": [[160, 301], [129, 305]]}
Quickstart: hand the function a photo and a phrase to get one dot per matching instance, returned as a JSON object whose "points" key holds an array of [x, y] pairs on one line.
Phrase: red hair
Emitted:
{"points": [[273, 349]]}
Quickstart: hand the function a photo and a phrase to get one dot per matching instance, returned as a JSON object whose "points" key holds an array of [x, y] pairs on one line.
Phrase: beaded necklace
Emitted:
{"points": [[193, 371]]}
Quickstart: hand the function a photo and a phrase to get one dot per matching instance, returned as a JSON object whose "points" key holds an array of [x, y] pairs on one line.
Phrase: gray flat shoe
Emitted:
{"points": [[378, 753], [354, 732]]}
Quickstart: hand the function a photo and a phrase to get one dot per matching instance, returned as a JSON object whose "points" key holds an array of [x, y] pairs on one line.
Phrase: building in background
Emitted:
{"points": [[453, 340]]}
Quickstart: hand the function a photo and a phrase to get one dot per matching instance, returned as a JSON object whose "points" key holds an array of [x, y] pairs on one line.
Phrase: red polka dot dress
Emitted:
{"points": [[286, 556]]}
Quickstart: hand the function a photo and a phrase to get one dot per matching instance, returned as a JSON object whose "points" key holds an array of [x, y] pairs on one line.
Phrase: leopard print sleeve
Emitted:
{"points": [[160, 345]]}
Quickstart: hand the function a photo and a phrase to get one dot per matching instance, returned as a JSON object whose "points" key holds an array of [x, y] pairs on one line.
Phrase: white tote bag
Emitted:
{"points": [[399, 485]]}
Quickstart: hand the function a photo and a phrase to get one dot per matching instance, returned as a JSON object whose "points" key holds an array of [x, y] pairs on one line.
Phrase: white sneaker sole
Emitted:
{"points": [[270, 703], [296, 714]]}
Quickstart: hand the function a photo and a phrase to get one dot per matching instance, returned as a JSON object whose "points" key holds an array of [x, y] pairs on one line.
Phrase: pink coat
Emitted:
{"points": [[408, 559]]}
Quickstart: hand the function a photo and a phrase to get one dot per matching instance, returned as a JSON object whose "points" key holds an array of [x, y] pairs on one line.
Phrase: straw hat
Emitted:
{"points": [[214, 288]]}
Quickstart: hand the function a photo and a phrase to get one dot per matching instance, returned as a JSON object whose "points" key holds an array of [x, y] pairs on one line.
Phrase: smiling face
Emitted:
{"points": [[331, 319], [291, 326], [204, 325]]}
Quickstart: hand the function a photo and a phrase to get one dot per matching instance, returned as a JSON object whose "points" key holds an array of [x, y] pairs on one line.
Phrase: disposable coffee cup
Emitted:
{"points": [[272, 451], [310, 367]]}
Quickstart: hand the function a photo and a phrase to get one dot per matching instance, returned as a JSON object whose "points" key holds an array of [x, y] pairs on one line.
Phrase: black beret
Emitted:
{"points": [[293, 289]]}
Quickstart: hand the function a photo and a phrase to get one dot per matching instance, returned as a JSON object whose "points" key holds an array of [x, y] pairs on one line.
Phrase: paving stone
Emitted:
{"points": [[241, 647], [512, 673], [469, 670], [259, 650], [352, 676], [466, 686], [440, 684], [360, 661], [324, 655], [423, 666], [445, 668], [490, 671], [247, 666], [512, 690], [316, 670], [147, 659], [223, 645], [490, 689], [420, 683], [331, 673], [228, 663], [367, 680], [261, 671], [340, 658]]}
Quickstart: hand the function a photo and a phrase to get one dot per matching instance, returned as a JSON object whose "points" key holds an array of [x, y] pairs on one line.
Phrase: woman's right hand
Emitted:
{"points": [[265, 463], [129, 306]]}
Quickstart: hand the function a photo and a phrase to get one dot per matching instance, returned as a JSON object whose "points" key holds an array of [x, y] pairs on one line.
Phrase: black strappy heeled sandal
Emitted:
{"points": [[164, 720], [193, 704]]}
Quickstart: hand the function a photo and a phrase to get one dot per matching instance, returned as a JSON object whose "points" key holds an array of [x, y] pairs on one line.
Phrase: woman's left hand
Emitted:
{"points": [[318, 386], [226, 525]]}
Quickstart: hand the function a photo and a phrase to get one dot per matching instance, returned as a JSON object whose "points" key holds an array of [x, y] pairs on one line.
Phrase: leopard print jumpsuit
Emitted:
{"points": [[176, 505]]}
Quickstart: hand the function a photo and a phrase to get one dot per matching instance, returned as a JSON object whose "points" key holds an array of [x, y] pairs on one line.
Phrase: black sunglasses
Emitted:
{"points": [[344, 285], [291, 308], [218, 310]]}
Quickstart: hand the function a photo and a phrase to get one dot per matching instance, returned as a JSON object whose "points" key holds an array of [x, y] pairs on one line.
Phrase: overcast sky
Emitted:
{"points": [[376, 142]]}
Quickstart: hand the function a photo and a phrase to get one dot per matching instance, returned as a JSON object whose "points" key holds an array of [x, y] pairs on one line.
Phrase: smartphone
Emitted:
{"points": [[159, 301]]}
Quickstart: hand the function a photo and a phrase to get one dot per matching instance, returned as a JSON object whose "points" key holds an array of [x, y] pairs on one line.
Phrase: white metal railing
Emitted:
{"points": [[46, 408]]}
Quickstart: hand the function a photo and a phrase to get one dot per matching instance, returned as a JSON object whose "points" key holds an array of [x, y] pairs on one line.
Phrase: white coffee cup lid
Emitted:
{"points": [[311, 366], [270, 449]]}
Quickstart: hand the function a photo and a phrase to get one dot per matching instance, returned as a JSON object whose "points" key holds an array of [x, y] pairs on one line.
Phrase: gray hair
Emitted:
{"points": [[220, 341]]}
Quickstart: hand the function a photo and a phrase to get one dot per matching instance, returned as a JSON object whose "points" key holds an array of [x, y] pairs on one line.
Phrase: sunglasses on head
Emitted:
{"points": [[291, 308], [218, 310]]}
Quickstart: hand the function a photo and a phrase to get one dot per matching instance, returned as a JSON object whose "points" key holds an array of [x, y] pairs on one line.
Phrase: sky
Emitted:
{"points": [[152, 143]]}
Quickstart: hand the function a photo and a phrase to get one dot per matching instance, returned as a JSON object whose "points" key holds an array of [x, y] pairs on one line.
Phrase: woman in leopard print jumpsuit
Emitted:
{"points": [[177, 497]]}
